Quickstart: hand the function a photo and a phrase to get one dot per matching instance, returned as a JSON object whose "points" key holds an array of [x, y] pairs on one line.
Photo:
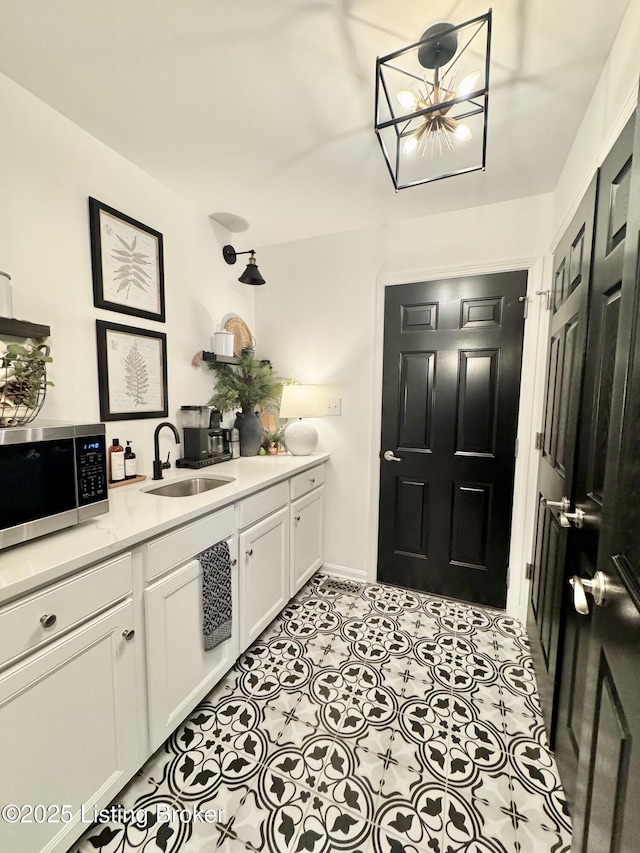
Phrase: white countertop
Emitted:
{"points": [[135, 516]]}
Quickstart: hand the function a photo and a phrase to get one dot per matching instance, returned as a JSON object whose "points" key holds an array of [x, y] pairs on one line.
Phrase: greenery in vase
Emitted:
{"points": [[22, 376], [252, 382], [276, 437]]}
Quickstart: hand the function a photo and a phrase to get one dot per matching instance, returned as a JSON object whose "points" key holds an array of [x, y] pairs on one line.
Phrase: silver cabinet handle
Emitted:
{"points": [[249, 552], [564, 504], [312, 480], [48, 620], [568, 518], [128, 634], [297, 517], [596, 587], [390, 456], [234, 562]]}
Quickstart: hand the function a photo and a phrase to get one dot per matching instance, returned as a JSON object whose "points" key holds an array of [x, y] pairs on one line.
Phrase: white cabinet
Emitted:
{"points": [[179, 671], [307, 537], [264, 574], [69, 729]]}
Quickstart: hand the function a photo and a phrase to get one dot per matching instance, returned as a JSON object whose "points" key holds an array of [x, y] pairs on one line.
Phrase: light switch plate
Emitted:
{"points": [[334, 406]]}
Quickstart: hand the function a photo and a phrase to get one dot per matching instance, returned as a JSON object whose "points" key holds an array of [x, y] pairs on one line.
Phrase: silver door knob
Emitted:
{"points": [[566, 519], [129, 634], [249, 552], [48, 620], [390, 456], [596, 587], [564, 504]]}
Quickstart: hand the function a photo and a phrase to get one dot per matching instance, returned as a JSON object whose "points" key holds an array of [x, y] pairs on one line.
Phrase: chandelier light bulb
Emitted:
{"points": [[407, 99], [462, 133], [468, 84], [410, 144]]}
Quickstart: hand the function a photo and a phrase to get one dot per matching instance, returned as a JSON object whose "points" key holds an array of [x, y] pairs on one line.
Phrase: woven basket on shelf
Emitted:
{"points": [[242, 337]]}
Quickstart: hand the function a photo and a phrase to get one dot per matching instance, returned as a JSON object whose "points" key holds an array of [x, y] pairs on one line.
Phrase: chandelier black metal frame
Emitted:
{"points": [[432, 101]]}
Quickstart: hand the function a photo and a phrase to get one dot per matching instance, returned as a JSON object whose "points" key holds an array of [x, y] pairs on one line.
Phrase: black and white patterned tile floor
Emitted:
{"points": [[384, 721]]}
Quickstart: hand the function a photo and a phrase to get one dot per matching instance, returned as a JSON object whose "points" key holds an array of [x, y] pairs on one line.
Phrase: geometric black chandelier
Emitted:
{"points": [[432, 99]]}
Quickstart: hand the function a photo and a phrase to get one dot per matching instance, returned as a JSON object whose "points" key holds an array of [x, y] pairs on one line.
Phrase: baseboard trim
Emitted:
{"points": [[344, 572]]}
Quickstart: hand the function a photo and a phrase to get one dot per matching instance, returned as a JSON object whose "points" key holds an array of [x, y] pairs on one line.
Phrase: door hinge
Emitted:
{"points": [[515, 455], [508, 576], [524, 299], [528, 571], [539, 441], [547, 297]]}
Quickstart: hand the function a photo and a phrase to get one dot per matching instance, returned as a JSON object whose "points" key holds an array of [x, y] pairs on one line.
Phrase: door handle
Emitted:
{"points": [[564, 504], [566, 519], [390, 456], [596, 587]]}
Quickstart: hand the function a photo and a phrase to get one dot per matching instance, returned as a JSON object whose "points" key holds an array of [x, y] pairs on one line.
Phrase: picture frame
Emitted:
{"points": [[132, 372], [127, 263]]}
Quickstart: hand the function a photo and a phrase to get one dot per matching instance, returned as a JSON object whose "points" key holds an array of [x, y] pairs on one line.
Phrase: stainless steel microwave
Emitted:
{"points": [[52, 475]]}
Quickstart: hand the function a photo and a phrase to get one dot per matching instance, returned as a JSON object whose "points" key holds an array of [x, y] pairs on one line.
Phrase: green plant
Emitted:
{"points": [[276, 437], [22, 376], [252, 382]]}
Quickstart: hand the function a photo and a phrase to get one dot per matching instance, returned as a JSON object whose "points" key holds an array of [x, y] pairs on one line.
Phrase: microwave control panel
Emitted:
{"points": [[91, 468]]}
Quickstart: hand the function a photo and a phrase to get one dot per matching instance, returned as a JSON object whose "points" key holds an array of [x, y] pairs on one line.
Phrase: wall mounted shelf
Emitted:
{"points": [[220, 359], [23, 328]]}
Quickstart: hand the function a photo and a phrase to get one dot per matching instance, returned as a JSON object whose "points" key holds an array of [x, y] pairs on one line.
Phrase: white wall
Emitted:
{"points": [[319, 319], [48, 168], [612, 103]]}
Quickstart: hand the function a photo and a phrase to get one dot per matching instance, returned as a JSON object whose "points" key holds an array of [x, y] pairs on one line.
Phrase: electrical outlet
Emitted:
{"points": [[334, 406]]}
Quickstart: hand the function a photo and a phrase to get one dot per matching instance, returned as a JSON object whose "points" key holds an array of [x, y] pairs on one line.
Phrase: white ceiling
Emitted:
{"points": [[264, 108]]}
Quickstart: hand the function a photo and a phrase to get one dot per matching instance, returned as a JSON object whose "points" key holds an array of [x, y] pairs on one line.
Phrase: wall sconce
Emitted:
{"points": [[431, 103], [252, 274]]}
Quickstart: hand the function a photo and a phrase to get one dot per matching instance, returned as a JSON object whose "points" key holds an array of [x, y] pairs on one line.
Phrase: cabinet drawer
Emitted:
{"points": [[303, 483], [263, 504], [66, 603], [182, 544]]}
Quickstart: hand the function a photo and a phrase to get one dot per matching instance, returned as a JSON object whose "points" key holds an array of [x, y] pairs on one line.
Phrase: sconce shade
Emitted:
{"points": [[300, 401], [252, 274], [432, 99]]}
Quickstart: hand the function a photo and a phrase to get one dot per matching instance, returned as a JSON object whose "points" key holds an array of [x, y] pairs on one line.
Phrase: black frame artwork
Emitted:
{"points": [[135, 376], [127, 263]]}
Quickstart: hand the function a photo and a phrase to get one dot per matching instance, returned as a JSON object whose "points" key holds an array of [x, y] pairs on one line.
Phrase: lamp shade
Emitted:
{"points": [[300, 401], [252, 274]]}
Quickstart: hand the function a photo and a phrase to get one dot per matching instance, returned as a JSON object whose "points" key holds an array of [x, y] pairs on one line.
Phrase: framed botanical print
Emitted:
{"points": [[127, 264], [132, 372]]}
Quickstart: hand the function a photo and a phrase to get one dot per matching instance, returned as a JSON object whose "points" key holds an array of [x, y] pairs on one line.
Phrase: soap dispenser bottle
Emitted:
{"points": [[130, 469], [116, 462]]}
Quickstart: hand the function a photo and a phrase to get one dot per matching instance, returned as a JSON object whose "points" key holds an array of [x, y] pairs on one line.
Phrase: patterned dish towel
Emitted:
{"points": [[216, 595]]}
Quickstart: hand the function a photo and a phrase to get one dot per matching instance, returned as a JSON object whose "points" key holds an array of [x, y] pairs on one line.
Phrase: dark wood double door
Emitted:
{"points": [[588, 512]]}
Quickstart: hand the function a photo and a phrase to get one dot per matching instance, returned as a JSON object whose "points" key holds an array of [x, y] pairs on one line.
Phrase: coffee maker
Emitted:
{"points": [[203, 442]]}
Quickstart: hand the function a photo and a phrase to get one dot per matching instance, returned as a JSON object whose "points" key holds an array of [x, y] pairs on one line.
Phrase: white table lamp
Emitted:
{"points": [[300, 401]]}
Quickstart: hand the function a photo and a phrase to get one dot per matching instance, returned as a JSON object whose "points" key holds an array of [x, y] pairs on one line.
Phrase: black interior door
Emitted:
{"points": [[607, 810], [591, 459], [568, 334], [451, 381]]}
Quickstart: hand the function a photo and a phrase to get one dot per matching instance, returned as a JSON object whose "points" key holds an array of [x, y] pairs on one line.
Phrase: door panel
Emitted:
{"points": [[452, 358], [568, 333], [591, 458], [608, 790]]}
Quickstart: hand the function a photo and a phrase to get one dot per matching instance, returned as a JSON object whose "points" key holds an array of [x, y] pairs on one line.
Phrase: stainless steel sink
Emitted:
{"points": [[185, 488]]}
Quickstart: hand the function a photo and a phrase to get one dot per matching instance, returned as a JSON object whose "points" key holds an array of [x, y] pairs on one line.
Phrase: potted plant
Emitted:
{"points": [[272, 441], [246, 385], [23, 381]]}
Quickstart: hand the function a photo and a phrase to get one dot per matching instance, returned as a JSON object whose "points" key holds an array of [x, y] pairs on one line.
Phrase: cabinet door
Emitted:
{"points": [[264, 574], [69, 730], [307, 539], [179, 671]]}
